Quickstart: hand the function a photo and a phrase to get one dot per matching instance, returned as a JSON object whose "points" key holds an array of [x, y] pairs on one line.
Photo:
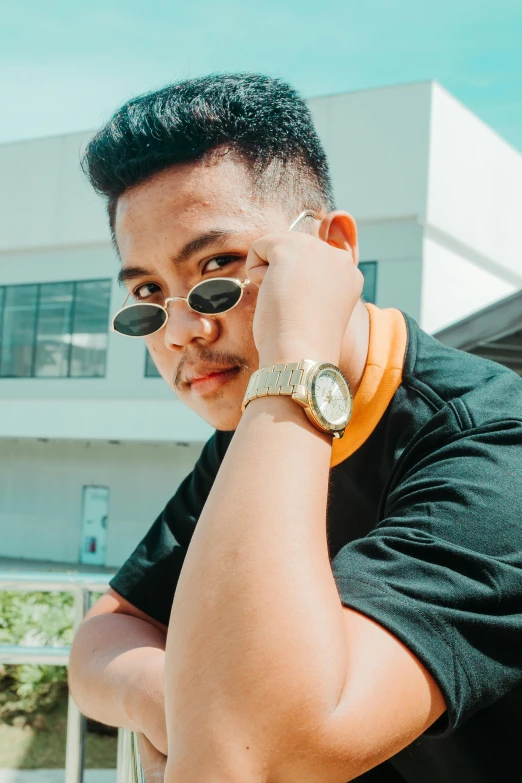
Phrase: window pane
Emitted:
{"points": [[18, 331], [53, 330], [2, 295], [151, 371], [2, 291], [369, 271], [90, 329]]}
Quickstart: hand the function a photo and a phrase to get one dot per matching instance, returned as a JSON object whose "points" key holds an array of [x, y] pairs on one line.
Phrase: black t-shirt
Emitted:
{"points": [[425, 537]]}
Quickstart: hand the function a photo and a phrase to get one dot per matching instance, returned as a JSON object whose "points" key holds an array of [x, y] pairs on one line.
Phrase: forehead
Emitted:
{"points": [[189, 198]]}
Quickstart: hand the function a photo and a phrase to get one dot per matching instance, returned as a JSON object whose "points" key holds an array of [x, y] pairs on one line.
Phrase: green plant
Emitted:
{"points": [[28, 691]]}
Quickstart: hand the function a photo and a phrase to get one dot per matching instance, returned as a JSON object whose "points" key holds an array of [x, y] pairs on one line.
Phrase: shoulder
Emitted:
{"points": [[465, 389]]}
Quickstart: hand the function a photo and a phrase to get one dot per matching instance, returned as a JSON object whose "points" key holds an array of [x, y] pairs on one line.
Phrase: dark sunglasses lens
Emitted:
{"points": [[139, 320], [215, 296]]}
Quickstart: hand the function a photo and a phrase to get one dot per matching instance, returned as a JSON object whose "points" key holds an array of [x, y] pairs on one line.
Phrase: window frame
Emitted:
{"points": [[74, 283], [374, 264], [150, 362]]}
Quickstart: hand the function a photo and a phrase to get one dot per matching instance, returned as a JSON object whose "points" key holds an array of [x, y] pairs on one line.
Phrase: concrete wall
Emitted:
{"points": [[377, 142], [53, 227], [45, 201], [41, 494], [453, 286], [397, 246], [473, 230]]}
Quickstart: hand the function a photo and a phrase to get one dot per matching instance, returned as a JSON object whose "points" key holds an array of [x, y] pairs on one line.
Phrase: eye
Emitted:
{"points": [[218, 262], [146, 291]]}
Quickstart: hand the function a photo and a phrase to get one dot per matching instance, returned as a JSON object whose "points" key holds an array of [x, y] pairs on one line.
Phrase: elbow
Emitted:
{"points": [[327, 753]]}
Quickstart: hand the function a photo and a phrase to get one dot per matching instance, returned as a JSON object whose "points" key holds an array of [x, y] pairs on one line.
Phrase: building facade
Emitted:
{"points": [[92, 442]]}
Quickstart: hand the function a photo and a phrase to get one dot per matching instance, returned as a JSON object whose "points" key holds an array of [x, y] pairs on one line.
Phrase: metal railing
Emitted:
{"points": [[81, 586]]}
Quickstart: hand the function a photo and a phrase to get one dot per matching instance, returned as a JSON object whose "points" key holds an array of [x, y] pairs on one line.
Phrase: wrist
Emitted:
{"points": [[268, 357], [281, 409]]}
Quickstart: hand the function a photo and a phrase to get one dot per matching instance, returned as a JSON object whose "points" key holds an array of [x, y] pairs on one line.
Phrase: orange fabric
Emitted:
{"points": [[381, 379]]}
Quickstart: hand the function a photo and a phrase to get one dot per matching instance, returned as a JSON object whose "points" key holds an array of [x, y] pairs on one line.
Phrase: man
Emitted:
{"points": [[348, 607]]}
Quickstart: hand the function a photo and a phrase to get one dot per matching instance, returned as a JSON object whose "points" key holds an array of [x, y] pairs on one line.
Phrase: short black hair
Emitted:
{"points": [[261, 119]]}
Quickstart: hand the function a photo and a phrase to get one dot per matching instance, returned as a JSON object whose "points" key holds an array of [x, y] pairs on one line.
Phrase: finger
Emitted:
{"points": [[255, 267], [258, 257], [262, 247], [272, 248]]}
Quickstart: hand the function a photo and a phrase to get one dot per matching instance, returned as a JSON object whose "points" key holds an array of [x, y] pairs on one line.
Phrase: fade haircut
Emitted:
{"points": [[260, 119]]}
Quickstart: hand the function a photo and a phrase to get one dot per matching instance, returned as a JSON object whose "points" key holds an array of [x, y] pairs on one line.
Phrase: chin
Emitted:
{"points": [[222, 414], [221, 408], [219, 421]]}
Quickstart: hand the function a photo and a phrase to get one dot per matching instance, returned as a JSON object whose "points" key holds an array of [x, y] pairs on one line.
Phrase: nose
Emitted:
{"points": [[185, 325]]}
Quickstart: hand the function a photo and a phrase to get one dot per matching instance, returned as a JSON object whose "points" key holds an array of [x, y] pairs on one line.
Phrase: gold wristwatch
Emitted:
{"points": [[319, 387]]}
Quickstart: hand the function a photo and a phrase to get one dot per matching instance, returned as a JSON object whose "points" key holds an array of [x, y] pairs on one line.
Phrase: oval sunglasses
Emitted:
{"points": [[210, 297]]}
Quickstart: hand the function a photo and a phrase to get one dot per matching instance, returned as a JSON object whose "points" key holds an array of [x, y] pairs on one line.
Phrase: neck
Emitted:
{"points": [[354, 349]]}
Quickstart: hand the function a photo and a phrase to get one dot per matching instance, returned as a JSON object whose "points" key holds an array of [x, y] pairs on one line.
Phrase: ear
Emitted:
{"points": [[340, 230]]}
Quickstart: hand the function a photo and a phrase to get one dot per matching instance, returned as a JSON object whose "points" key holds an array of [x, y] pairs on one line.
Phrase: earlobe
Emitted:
{"points": [[339, 229]]}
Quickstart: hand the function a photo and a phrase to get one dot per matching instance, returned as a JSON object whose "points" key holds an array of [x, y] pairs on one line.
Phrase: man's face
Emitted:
{"points": [[188, 224]]}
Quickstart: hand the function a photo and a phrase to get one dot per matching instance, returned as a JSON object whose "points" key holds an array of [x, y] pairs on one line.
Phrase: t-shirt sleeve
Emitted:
{"points": [[442, 570], [149, 577]]}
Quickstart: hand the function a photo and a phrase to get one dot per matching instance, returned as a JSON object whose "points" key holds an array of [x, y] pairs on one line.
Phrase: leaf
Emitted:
{"points": [[29, 690]]}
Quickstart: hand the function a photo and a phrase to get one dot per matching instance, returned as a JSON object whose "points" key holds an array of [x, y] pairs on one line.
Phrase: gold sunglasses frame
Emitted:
{"points": [[163, 307], [241, 285]]}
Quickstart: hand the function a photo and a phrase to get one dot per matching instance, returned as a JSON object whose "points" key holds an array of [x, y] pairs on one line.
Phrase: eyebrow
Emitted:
{"points": [[216, 237], [127, 273]]}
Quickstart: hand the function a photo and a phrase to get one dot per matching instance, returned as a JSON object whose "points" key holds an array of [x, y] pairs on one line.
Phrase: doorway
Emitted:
{"points": [[95, 515]]}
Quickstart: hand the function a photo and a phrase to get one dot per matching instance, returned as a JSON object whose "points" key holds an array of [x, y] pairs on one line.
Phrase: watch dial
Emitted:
{"points": [[331, 397]]}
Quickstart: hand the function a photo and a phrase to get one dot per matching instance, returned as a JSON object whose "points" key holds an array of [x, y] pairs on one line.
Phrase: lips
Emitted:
{"points": [[208, 372]]}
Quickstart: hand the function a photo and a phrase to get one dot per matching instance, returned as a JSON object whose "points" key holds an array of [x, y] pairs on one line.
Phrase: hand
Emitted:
{"points": [[308, 288], [152, 761]]}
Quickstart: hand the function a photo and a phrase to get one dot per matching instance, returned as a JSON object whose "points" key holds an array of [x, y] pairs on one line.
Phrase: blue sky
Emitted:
{"points": [[66, 65]]}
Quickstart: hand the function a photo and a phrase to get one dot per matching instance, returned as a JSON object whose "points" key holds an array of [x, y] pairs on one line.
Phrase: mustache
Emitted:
{"points": [[212, 357]]}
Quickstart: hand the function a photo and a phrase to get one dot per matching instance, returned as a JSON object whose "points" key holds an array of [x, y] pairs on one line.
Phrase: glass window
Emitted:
{"points": [[369, 271], [151, 371], [18, 331], [90, 329], [53, 330], [2, 294]]}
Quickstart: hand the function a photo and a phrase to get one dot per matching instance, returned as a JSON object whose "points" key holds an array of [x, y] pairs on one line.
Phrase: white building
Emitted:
{"points": [[90, 447]]}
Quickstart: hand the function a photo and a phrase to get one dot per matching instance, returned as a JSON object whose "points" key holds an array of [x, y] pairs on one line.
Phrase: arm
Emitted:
{"points": [[310, 690], [262, 683], [116, 668], [152, 761]]}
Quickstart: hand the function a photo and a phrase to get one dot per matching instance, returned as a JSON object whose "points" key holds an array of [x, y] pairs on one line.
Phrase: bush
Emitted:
{"points": [[27, 691]]}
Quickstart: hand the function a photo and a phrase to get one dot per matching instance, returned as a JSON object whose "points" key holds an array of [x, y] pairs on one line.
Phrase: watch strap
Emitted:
{"points": [[288, 379]]}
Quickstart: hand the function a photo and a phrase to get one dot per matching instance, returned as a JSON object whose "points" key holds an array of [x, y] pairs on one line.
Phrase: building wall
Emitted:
{"points": [[45, 201], [41, 494], [473, 233], [437, 197], [89, 407], [453, 286], [377, 142], [54, 228], [397, 247]]}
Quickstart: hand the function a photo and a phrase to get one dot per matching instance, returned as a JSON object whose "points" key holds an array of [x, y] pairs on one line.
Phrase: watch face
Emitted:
{"points": [[331, 397]]}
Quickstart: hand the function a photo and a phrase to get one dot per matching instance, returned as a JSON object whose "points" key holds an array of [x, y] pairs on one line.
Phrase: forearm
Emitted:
{"points": [[116, 674], [260, 647]]}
